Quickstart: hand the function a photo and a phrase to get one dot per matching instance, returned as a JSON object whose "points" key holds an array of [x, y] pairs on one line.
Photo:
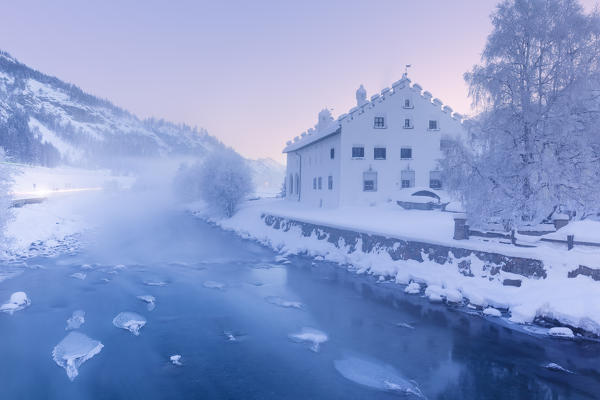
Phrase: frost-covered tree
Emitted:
{"points": [[535, 144], [6, 182], [222, 180]]}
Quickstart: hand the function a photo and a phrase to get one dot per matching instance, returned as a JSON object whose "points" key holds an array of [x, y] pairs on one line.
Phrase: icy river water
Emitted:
{"points": [[250, 326]]}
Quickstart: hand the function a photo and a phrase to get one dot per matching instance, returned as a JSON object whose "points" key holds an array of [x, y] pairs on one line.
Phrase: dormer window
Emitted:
{"points": [[408, 103], [408, 123], [433, 125], [379, 122]]}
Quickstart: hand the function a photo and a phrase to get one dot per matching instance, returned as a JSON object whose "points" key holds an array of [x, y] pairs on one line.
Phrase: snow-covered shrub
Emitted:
{"points": [[222, 180], [534, 146]]}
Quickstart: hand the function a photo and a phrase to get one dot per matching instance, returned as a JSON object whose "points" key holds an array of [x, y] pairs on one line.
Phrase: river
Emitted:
{"points": [[228, 306]]}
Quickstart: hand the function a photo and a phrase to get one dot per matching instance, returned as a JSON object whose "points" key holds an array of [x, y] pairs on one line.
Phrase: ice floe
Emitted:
{"points": [[492, 312], [312, 336], [281, 302], [75, 349], [79, 275], [413, 288], [376, 375], [557, 368], [86, 266], [130, 321], [76, 320], [562, 332], [214, 285], [149, 300], [155, 283], [17, 302], [176, 359], [404, 325]]}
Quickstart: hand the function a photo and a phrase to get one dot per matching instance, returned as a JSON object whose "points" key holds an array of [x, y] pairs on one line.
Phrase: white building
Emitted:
{"points": [[380, 149]]}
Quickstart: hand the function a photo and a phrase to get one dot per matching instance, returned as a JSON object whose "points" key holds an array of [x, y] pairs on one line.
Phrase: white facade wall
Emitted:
{"points": [[311, 163], [358, 130]]}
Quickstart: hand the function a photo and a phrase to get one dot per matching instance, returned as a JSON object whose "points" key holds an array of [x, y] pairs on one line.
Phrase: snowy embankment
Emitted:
{"points": [[570, 301]]}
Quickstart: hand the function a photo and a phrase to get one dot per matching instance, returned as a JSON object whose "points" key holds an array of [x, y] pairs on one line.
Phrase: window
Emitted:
{"points": [[408, 179], [379, 122], [407, 123], [332, 153], [330, 182], [358, 152], [320, 181], [435, 179], [406, 153], [445, 144], [433, 125], [407, 103], [298, 186], [291, 184], [370, 181], [314, 183], [379, 153]]}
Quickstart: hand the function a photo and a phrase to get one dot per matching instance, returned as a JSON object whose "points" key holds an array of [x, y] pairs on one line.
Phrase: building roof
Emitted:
{"points": [[313, 135]]}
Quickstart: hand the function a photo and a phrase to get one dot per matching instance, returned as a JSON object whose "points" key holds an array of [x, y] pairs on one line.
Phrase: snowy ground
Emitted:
{"points": [[567, 300]]}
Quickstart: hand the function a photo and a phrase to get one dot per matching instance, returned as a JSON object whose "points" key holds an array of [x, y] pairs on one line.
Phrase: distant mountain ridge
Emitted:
{"points": [[46, 121]]}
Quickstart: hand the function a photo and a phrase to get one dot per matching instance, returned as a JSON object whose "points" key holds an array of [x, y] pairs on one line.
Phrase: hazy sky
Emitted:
{"points": [[253, 73]]}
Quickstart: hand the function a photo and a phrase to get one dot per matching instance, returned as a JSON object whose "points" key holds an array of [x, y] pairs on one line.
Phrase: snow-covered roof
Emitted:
{"points": [[311, 137], [314, 135]]}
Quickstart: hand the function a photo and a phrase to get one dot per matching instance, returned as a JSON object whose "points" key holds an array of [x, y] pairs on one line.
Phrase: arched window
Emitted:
{"points": [[297, 184], [291, 184]]}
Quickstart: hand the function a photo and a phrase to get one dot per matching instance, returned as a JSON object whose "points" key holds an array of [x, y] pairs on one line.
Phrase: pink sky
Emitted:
{"points": [[253, 73]]}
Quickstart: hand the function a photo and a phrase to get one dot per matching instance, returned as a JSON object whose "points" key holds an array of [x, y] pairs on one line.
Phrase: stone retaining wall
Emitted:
{"points": [[399, 249]]}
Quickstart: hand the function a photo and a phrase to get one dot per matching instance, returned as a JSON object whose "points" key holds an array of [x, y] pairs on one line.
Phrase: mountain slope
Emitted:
{"points": [[46, 121]]}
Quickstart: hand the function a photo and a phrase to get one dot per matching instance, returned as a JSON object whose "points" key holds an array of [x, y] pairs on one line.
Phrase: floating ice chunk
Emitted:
{"points": [[453, 296], [76, 320], [214, 285], [555, 367], [232, 336], [309, 335], [434, 293], [75, 349], [492, 312], [79, 275], [155, 283], [413, 288], [562, 332], [319, 258], [405, 325], [17, 302], [376, 375], [176, 359], [86, 266], [130, 321], [118, 267], [149, 300], [281, 259], [278, 301]]}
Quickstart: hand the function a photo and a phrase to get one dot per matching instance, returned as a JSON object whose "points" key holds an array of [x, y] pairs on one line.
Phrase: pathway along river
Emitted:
{"points": [[228, 308]]}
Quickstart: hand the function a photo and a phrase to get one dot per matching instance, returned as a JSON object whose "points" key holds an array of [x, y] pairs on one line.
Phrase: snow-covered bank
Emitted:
{"points": [[570, 301]]}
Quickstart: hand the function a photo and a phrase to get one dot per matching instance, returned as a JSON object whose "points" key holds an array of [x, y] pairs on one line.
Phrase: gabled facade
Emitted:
{"points": [[381, 148]]}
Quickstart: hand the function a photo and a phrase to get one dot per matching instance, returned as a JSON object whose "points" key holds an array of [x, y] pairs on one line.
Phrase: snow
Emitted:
{"points": [[176, 359], [584, 231], [556, 367], [76, 320], [309, 335], [413, 288], [66, 149], [556, 297], [75, 349], [492, 312], [130, 321], [405, 325], [562, 332], [155, 283], [17, 302], [280, 302], [149, 300], [376, 375]]}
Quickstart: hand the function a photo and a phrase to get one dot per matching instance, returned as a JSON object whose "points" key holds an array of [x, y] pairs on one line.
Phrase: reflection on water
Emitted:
{"points": [[240, 322]]}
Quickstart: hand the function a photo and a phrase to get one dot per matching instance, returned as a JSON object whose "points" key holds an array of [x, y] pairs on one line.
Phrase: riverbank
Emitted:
{"points": [[556, 298]]}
